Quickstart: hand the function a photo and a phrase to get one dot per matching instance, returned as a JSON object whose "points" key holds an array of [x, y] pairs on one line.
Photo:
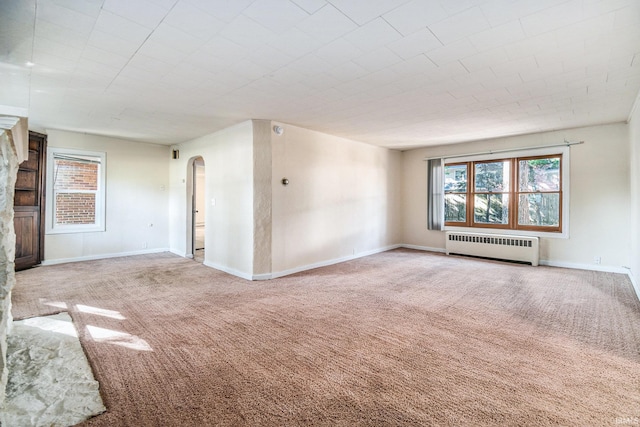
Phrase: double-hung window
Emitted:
{"points": [[517, 193], [76, 191]]}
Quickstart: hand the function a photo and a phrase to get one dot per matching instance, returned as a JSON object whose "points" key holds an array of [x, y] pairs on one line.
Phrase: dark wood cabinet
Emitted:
{"points": [[29, 204]]}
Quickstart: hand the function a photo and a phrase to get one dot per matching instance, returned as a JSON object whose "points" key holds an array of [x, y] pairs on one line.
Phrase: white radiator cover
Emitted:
{"points": [[513, 248]]}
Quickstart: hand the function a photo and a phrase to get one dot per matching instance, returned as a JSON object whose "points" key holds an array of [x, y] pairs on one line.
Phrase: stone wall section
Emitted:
{"points": [[8, 174]]}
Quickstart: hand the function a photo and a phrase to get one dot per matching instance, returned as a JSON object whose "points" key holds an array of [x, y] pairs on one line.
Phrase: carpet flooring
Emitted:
{"points": [[398, 338]]}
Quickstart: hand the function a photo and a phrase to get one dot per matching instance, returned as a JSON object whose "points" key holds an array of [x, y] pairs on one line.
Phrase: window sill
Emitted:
{"points": [[76, 229], [510, 232]]}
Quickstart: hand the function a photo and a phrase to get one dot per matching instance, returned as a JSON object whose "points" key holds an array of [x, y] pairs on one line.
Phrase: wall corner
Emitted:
{"points": [[262, 197]]}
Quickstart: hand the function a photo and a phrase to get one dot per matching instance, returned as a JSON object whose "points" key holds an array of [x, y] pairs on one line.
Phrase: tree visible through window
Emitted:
{"points": [[515, 193], [539, 192]]}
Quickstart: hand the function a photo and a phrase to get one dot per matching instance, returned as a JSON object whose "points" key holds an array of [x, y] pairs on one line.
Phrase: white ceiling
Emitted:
{"points": [[395, 73]]}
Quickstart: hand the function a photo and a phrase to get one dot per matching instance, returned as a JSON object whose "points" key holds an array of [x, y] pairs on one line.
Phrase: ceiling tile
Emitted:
{"points": [[157, 49], [224, 10], [287, 15], [377, 60], [452, 52], [339, 51], [104, 57], [416, 65], [250, 70], [142, 12], [218, 52], [49, 47], [628, 15], [415, 44], [391, 72], [552, 18], [531, 46], [91, 68], [514, 66], [310, 65], [62, 35], [270, 58], [295, 42], [460, 25], [363, 11], [51, 12], [46, 62], [193, 21], [485, 59], [327, 24], [89, 7], [500, 12], [347, 71], [248, 33], [112, 44], [149, 64], [310, 6], [173, 38], [415, 15], [373, 35], [121, 28], [498, 36]]}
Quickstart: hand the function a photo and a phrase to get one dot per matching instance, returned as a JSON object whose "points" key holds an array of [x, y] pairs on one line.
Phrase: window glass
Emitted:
{"points": [[491, 209], [75, 185], [492, 177], [539, 209], [75, 191], [455, 207], [539, 174], [455, 188], [480, 193], [455, 178]]}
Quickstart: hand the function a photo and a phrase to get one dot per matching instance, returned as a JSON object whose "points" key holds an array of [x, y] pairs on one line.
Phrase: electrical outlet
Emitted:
{"points": [[144, 245], [597, 259]]}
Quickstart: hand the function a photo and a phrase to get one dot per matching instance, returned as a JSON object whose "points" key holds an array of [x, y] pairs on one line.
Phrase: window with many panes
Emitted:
{"points": [[521, 193]]}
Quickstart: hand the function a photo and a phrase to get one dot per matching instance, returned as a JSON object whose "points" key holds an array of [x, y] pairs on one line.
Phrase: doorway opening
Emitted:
{"points": [[196, 209]]}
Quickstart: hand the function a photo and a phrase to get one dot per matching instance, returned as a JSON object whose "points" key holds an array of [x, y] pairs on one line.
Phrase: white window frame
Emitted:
{"points": [[99, 225], [564, 234]]}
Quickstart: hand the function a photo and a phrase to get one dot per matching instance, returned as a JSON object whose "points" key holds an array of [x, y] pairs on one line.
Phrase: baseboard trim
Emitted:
{"points": [[424, 248], [103, 256], [591, 267], [228, 270], [275, 275], [634, 283], [179, 253], [325, 263]]}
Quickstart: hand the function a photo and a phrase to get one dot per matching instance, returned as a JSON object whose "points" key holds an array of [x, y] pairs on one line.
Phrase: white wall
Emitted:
{"points": [[634, 138], [599, 195], [343, 199], [228, 164], [137, 200]]}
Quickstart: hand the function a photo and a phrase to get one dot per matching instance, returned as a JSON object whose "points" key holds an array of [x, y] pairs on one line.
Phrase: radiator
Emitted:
{"points": [[513, 248]]}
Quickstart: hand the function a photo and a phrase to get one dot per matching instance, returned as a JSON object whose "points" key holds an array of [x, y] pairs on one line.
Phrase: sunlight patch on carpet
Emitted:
{"points": [[122, 339], [50, 381]]}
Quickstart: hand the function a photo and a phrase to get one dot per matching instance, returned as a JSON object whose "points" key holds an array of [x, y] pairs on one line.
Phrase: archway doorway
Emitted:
{"points": [[197, 213]]}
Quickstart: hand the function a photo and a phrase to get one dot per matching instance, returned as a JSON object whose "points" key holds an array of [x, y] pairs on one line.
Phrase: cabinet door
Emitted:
{"points": [[26, 221], [28, 204]]}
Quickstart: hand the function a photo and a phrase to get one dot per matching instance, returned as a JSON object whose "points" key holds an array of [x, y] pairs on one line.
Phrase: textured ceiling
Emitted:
{"points": [[394, 73]]}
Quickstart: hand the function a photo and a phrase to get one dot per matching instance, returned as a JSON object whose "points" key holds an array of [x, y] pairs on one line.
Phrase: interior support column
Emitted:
{"points": [[8, 172], [261, 198]]}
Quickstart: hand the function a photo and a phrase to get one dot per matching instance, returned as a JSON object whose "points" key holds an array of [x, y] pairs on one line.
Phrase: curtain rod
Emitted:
{"points": [[505, 150]]}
